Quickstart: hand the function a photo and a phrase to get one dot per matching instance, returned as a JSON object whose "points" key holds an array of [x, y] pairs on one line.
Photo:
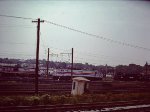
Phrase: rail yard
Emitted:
{"points": [[16, 85]]}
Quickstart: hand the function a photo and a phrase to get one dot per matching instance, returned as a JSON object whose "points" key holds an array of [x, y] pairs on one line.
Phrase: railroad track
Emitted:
{"points": [[104, 107], [64, 91], [26, 90], [65, 87], [31, 92]]}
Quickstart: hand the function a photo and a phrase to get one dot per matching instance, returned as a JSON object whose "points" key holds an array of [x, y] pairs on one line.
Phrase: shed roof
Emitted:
{"points": [[80, 79]]}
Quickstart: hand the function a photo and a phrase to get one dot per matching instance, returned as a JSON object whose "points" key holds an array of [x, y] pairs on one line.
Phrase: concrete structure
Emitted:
{"points": [[79, 85]]}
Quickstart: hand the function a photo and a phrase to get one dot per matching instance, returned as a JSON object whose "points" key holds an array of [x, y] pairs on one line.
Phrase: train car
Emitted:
{"points": [[65, 74], [17, 74], [128, 77]]}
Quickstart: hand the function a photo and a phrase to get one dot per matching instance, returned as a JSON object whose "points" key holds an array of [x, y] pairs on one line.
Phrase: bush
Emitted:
{"points": [[26, 101], [99, 98], [30, 100], [45, 99], [7, 101], [69, 99], [62, 99], [73, 100], [35, 100]]}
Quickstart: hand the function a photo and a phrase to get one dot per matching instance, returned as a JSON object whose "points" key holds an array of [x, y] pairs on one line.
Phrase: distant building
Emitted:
{"points": [[8, 67], [146, 70]]}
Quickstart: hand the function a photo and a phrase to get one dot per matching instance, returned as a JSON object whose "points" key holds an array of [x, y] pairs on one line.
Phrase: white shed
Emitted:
{"points": [[79, 85]]}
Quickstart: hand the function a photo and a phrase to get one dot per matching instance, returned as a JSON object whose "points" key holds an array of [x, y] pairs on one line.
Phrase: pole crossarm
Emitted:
{"points": [[52, 54], [42, 21], [66, 53]]}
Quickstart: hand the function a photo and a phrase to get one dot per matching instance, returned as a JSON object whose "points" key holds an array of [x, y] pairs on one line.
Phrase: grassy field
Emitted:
{"points": [[47, 99], [63, 98]]}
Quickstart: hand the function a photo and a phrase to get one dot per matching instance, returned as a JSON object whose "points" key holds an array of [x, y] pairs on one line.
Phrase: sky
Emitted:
{"points": [[118, 20]]}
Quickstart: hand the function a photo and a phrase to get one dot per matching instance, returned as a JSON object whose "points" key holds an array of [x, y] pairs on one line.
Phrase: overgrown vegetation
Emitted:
{"points": [[47, 99]]}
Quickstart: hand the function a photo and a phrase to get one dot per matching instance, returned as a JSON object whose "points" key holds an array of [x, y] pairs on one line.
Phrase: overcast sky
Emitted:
{"points": [[125, 21]]}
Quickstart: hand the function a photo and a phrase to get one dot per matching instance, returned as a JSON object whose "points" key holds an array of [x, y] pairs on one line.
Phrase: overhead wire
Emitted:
{"points": [[99, 37], [97, 57], [15, 26], [16, 43], [16, 54], [82, 32], [4, 25], [79, 31], [18, 17]]}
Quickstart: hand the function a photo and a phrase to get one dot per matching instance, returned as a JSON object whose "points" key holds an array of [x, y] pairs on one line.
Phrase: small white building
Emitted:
{"points": [[79, 85]]}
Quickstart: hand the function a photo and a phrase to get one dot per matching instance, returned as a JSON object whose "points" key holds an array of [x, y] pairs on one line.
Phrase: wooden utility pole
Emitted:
{"points": [[72, 65], [114, 71], [146, 67], [47, 62], [37, 54], [106, 70]]}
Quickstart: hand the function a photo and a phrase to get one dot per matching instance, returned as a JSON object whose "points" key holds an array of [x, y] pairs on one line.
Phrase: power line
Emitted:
{"points": [[17, 43], [18, 17], [86, 33], [5, 27], [16, 54], [16, 25], [102, 56], [99, 37], [97, 56]]}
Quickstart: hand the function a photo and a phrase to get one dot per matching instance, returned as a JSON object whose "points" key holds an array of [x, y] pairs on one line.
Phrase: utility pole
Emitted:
{"points": [[146, 67], [37, 53], [106, 70], [72, 65], [114, 71], [47, 63]]}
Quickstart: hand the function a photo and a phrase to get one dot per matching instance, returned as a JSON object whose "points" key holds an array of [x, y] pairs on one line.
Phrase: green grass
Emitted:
{"points": [[47, 99]]}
